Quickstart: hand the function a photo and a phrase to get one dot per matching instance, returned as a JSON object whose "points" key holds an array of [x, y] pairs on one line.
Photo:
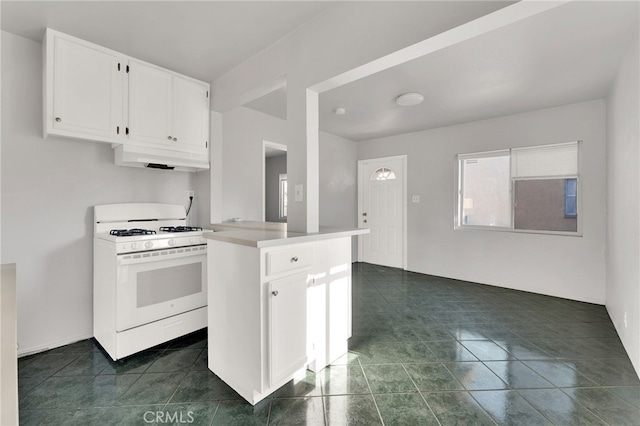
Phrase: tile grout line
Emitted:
{"points": [[375, 403], [583, 406], [468, 391], [215, 412], [420, 393], [322, 392]]}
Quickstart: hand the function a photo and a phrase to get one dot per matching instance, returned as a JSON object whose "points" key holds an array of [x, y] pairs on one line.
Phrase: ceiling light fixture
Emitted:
{"points": [[339, 111], [410, 99]]}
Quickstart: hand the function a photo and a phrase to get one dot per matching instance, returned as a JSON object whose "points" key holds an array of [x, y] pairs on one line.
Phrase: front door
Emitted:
{"points": [[381, 209]]}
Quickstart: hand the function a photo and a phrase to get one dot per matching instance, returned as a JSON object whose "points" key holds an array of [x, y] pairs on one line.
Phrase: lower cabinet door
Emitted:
{"points": [[287, 326]]}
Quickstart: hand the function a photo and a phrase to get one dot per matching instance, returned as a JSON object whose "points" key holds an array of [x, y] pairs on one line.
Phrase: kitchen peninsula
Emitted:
{"points": [[278, 302]]}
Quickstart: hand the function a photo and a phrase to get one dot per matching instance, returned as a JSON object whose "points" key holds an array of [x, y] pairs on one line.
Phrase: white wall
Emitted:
{"points": [[200, 212], [214, 178], [338, 184], [338, 181], [244, 130], [48, 190], [570, 267], [623, 204]]}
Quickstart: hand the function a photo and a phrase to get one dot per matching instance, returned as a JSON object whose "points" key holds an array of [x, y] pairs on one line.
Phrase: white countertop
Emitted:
{"points": [[270, 234]]}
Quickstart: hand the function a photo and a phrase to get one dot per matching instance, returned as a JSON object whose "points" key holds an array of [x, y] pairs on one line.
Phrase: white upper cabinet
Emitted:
{"points": [[84, 89], [155, 117], [190, 113], [168, 109], [150, 107]]}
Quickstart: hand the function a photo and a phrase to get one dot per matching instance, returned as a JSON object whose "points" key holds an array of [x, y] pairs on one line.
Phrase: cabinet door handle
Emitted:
{"points": [[294, 259], [169, 137], [58, 119], [274, 292], [175, 139]]}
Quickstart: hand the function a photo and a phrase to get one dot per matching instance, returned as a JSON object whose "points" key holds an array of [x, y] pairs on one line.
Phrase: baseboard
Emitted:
{"points": [[22, 352]]}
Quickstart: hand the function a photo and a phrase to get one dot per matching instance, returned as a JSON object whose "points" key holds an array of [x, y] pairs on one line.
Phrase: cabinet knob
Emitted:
{"points": [[294, 259], [175, 139], [58, 119], [169, 137], [274, 292]]}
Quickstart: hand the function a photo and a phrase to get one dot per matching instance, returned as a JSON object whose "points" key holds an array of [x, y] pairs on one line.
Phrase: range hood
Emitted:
{"points": [[138, 156]]}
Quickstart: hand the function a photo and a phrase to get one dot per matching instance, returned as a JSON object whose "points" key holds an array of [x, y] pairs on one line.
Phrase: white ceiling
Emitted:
{"points": [[565, 55], [202, 39]]}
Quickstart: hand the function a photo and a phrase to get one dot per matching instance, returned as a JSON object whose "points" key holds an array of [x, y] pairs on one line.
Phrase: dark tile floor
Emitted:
{"points": [[425, 351]]}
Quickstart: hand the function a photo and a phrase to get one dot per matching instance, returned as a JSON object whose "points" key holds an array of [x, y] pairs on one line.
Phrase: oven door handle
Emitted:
{"points": [[161, 255]]}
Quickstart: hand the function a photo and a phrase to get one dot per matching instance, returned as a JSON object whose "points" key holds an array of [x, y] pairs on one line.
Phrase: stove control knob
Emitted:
{"points": [[202, 240], [148, 244], [192, 240], [171, 242], [134, 246]]}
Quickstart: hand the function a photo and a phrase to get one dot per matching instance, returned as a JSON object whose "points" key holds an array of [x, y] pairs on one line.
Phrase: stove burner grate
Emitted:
{"points": [[130, 232], [180, 228]]}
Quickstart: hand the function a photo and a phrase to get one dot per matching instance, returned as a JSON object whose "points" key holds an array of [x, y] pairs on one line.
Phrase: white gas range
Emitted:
{"points": [[150, 276]]}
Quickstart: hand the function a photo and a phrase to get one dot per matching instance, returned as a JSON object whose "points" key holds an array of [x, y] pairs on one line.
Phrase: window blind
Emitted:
{"points": [[557, 160]]}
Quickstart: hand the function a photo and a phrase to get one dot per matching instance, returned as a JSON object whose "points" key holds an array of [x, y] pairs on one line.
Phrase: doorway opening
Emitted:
{"points": [[275, 199]]}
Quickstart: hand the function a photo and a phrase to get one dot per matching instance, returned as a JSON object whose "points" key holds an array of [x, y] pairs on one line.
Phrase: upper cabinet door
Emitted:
{"points": [[84, 90], [190, 113], [150, 104]]}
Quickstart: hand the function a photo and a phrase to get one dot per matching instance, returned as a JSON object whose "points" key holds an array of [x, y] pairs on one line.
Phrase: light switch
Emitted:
{"points": [[298, 192], [415, 199]]}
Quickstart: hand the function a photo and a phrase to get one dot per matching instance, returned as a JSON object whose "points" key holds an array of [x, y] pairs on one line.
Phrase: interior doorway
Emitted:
{"points": [[274, 182], [381, 208]]}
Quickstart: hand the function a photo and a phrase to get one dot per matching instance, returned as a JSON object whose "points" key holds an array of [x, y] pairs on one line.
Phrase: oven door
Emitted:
{"points": [[159, 284]]}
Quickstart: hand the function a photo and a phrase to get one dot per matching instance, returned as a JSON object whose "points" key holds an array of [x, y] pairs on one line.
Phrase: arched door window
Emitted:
{"points": [[383, 173]]}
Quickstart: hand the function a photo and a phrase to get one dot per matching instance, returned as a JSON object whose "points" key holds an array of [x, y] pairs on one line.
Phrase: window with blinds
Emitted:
{"points": [[532, 189]]}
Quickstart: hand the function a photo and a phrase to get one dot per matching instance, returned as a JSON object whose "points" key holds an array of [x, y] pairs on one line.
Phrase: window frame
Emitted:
{"points": [[391, 175], [459, 196]]}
